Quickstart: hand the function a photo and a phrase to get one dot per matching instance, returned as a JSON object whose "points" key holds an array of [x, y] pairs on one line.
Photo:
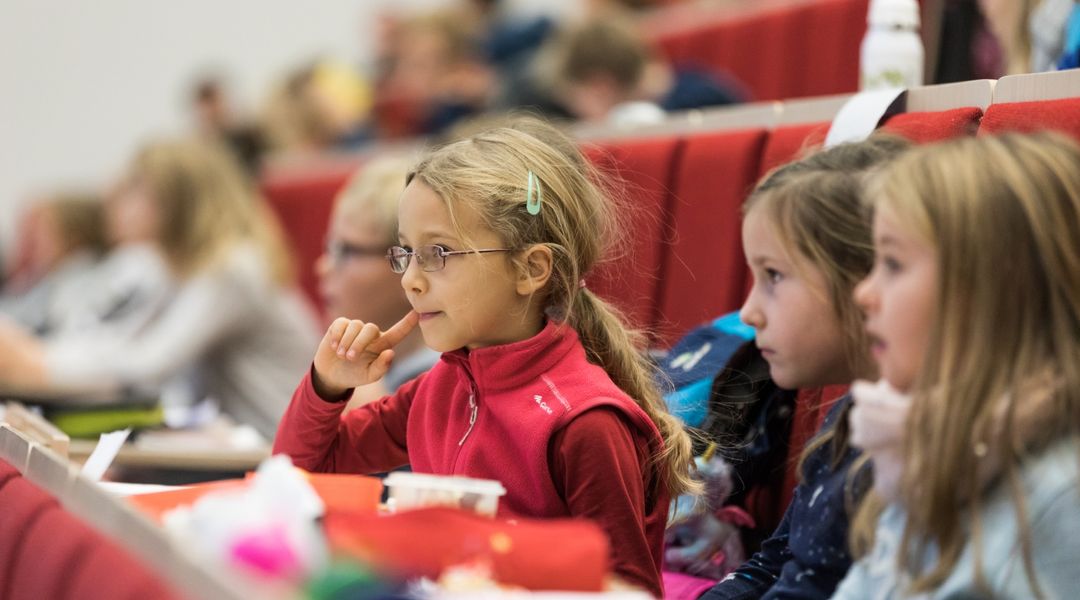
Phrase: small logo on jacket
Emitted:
{"points": [[540, 402]]}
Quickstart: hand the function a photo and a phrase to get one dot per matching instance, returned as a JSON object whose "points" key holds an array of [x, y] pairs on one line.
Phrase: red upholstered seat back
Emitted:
{"points": [[303, 203], [789, 142], [704, 273], [47, 552], [632, 278], [786, 52], [927, 127], [1061, 115]]}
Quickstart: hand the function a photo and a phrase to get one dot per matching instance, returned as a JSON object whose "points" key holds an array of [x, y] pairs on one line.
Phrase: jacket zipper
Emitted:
{"points": [[472, 418]]}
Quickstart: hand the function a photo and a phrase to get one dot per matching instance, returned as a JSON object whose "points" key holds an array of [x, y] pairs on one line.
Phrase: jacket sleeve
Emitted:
{"points": [[368, 439], [209, 308], [596, 465], [758, 574]]}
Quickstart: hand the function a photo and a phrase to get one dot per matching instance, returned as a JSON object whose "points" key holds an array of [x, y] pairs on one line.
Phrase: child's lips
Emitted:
{"points": [[424, 316]]}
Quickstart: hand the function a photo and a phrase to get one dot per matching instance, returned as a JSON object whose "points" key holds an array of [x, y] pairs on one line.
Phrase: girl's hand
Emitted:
{"points": [[878, 423], [354, 353]]}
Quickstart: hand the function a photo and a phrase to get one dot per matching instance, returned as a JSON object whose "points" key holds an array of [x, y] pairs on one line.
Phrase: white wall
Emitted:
{"points": [[83, 82]]}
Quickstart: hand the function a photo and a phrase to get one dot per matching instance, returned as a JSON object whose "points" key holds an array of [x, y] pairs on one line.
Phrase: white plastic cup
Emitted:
{"points": [[418, 490]]}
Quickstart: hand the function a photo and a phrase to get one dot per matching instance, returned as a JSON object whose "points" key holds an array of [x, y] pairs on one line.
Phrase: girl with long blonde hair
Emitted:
{"points": [[541, 384], [235, 328], [974, 309]]}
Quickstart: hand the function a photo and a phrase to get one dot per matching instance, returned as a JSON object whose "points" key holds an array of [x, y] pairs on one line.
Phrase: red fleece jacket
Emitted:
{"points": [[563, 439]]}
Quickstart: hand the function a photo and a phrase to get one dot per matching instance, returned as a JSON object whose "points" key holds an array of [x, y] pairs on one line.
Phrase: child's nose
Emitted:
{"points": [[865, 295], [750, 313], [413, 280]]}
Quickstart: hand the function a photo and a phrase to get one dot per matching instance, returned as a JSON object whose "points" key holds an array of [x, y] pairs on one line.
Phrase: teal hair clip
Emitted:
{"points": [[535, 196]]}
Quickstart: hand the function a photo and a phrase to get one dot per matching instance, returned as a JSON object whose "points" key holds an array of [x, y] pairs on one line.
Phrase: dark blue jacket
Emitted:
{"points": [[807, 555]]}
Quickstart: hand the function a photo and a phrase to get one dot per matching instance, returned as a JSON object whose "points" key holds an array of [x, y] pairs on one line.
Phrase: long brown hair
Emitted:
{"points": [[816, 206], [206, 205], [1003, 215], [490, 171]]}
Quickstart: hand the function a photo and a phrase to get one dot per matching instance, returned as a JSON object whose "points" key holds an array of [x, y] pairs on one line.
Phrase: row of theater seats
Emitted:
{"points": [[757, 45], [683, 261]]}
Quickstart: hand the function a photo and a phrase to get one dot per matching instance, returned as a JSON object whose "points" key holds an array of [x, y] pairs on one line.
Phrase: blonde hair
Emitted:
{"points": [[207, 205], [80, 221], [576, 222], [1003, 214], [815, 205], [372, 194]]}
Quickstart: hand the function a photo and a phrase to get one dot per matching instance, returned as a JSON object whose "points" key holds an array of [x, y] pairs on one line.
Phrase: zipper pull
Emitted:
{"points": [[472, 417]]}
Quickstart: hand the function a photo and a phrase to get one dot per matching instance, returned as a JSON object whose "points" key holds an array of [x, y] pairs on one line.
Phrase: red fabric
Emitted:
{"points": [[832, 67], [7, 472], [1061, 115], [303, 201], [811, 406], [631, 279], [562, 555], [788, 143], [770, 50], [96, 578], [50, 556], [593, 446], [927, 127], [525, 392], [705, 273], [21, 504]]}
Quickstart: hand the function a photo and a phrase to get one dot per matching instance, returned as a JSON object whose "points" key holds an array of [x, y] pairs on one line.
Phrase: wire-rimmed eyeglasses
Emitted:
{"points": [[430, 258]]}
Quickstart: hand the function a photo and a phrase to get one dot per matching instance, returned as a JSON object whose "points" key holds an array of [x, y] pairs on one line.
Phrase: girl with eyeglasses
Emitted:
{"points": [[541, 384], [353, 279]]}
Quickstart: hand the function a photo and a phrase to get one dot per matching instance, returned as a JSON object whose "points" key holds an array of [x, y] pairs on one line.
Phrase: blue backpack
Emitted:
{"points": [[695, 361]]}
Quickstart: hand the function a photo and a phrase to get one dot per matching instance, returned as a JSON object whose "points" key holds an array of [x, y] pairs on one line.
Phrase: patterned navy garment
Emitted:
{"points": [[807, 555]]}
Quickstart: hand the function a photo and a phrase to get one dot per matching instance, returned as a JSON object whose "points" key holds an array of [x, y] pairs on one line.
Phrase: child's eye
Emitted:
{"points": [[891, 264], [441, 249], [773, 276]]}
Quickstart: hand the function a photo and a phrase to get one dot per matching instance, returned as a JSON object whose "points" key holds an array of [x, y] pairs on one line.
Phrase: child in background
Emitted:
{"points": [[236, 329], [541, 384], [353, 279], [808, 243], [66, 239], [973, 307]]}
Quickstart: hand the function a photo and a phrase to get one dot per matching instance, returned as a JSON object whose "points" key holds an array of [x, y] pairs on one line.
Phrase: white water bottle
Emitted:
{"points": [[892, 52]]}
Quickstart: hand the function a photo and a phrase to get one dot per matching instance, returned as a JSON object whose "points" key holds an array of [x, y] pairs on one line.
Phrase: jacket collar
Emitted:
{"points": [[510, 366]]}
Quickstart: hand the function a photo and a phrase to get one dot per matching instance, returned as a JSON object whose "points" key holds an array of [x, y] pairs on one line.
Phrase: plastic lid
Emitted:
{"points": [[442, 482], [893, 13]]}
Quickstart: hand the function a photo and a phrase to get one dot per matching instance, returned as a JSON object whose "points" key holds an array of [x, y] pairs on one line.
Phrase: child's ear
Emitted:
{"points": [[537, 262]]}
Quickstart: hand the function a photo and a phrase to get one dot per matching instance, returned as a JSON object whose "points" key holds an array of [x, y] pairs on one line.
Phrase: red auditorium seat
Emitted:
{"points": [[50, 556], [1062, 115], [787, 143], [22, 504], [757, 47], [7, 472], [704, 272], [833, 67], [96, 578], [927, 127], [632, 279], [303, 202]]}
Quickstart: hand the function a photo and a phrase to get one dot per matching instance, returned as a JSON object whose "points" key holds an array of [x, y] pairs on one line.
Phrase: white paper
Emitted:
{"points": [[107, 447], [860, 115]]}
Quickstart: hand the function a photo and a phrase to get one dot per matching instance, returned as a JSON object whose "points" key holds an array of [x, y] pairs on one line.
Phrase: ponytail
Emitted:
{"points": [[612, 345]]}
